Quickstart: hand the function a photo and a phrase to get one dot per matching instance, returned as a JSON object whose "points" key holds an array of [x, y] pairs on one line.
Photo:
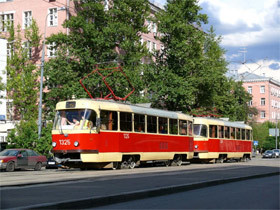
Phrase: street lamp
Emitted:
{"points": [[42, 75]]}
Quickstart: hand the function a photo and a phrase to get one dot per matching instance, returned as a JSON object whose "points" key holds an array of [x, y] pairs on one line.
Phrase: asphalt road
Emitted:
{"points": [[86, 189], [261, 193]]}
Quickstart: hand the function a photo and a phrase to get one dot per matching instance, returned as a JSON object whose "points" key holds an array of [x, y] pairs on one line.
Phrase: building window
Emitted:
{"points": [[6, 20], [10, 46], [27, 48], [149, 46], [273, 115], [250, 89], [149, 26], [154, 28], [27, 19], [52, 17], [9, 111], [154, 46], [262, 90], [251, 103], [262, 114], [262, 101], [106, 5], [51, 50]]}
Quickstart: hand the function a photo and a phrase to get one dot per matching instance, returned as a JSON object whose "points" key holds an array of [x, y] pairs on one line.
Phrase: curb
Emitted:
{"points": [[92, 202]]}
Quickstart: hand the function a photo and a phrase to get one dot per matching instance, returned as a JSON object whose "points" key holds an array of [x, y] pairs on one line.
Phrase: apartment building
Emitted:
{"points": [[265, 96]]}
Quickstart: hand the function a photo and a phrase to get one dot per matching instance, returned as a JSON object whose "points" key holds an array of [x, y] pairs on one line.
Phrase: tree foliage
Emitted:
{"points": [[22, 85], [261, 134], [189, 73], [22, 88], [25, 136], [97, 35]]}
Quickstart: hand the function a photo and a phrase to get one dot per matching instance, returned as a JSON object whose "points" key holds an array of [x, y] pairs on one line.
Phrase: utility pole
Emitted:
{"points": [[276, 133], [243, 50]]}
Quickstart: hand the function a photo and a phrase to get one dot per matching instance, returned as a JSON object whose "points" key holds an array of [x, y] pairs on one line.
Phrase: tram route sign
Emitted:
{"points": [[272, 132]]}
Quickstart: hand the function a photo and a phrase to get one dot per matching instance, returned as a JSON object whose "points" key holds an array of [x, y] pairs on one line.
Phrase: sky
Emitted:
{"points": [[250, 31]]}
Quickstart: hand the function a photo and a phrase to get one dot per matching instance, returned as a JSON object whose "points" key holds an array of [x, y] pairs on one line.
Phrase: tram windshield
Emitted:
{"points": [[73, 119], [200, 130]]}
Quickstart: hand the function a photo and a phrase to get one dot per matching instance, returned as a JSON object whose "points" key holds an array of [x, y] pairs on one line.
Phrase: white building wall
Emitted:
{"points": [[3, 75], [5, 125]]}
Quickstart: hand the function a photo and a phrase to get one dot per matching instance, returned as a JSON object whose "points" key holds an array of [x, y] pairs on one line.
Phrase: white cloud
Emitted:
{"points": [[259, 20]]}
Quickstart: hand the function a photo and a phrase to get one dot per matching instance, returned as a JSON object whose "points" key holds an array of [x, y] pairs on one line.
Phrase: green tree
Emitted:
{"points": [[189, 73], [97, 35], [22, 86], [25, 136], [172, 82], [261, 134]]}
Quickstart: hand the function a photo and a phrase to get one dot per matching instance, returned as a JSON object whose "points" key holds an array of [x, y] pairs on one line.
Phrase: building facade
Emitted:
{"points": [[265, 96]]}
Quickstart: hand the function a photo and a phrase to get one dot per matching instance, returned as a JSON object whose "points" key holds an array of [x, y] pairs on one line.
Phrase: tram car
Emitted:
{"points": [[104, 133], [218, 140]]}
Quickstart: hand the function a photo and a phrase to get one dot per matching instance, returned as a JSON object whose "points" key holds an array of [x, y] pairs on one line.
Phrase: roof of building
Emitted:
{"points": [[251, 77]]}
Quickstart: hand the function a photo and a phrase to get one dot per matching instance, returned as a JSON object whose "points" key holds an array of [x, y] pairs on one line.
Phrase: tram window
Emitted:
{"points": [[183, 127], [190, 128], [213, 131], [109, 120], [243, 134], [248, 134], [232, 133], [200, 130], [173, 126], [162, 125], [227, 130], [125, 121], [88, 120], [151, 124], [221, 131], [139, 123], [238, 133]]}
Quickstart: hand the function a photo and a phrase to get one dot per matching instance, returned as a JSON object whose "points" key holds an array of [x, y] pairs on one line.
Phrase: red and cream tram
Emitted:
{"points": [[221, 140], [96, 133]]}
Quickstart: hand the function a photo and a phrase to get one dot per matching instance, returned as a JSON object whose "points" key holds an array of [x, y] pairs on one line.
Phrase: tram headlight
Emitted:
{"points": [[54, 144], [76, 143], [195, 146]]}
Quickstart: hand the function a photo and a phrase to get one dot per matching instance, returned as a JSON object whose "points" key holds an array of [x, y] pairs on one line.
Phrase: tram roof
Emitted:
{"points": [[120, 106], [214, 121]]}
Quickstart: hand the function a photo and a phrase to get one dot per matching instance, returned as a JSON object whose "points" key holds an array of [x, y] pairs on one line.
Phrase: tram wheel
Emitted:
{"points": [[177, 160], [128, 163], [131, 162], [116, 165], [167, 163]]}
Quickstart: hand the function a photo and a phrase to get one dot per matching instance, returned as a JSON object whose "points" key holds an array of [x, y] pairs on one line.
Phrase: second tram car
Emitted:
{"points": [[95, 133], [219, 140]]}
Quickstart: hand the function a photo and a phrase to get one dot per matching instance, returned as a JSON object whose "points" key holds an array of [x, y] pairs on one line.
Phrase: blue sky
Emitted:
{"points": [[247, 25]]}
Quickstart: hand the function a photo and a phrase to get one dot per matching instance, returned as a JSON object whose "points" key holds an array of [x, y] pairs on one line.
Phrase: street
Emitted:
{"points": [[261, 193], [85, 189]]}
